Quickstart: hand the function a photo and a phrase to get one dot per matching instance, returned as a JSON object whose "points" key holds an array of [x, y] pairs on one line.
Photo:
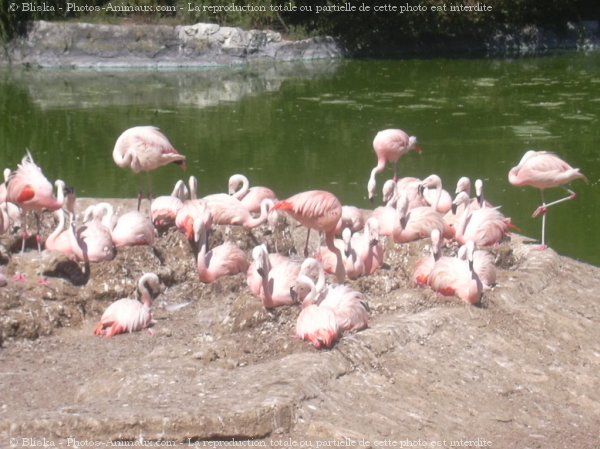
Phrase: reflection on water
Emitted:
{"points": [[307, 126]]}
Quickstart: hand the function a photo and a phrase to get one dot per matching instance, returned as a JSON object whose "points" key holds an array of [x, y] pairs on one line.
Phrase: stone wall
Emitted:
{"points": [[84, 45]]}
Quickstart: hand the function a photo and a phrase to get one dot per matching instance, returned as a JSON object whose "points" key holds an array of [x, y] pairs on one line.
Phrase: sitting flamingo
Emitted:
{"points": [[270, 277], [163, 209], [130, 315], [452, 276], [485, 227], [223, 260], [424, 265], [345, 305], [250, 197]]}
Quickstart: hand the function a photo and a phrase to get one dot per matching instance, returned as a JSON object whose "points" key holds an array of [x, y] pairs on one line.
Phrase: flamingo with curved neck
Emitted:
{"points": [[130, 315], [250, 197]]}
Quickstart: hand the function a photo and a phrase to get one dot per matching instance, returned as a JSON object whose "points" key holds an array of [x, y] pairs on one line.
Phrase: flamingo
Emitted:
{"points": [[227, 210], [28, 188], [143, 149], [320, 210], [352, 264], [92, 241], [483, 264], [163, 210], [544, 170], [250, 197], [6, 172], [223, 260], [451, 276], [418, 222], [133, 228], [424, 265], [342, 310], [130, 315], [59, 239], [270, 277], [485, 227], [439, 199], [389, 146], [352, 217]]}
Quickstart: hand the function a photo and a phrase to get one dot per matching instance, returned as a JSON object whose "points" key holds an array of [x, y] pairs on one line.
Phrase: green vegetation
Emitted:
{"points": [[414, 23]]}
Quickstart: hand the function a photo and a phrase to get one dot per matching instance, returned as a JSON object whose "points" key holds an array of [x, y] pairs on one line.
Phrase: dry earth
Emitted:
{"points": [[520, 371]]}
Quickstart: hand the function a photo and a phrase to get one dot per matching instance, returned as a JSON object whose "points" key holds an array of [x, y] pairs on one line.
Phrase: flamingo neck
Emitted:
{"points": [[241, 193]]}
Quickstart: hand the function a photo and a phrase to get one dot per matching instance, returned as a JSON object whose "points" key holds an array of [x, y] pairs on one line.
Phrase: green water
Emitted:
{"points": [[298, 127]]}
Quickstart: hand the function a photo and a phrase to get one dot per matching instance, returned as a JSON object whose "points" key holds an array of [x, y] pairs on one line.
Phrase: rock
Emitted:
{"points": [[518, 371], [85, 45]]}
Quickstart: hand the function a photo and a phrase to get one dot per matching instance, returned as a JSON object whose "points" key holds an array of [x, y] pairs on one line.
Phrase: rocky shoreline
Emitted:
{"points": [[518, 371], [85, 45]]}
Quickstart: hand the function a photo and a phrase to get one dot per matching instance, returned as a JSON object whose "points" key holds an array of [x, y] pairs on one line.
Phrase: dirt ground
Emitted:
{"points": [[518, 371]]}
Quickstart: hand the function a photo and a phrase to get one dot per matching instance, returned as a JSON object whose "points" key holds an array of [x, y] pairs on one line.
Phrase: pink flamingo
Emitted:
{"points": [[59, 240], [544, 170], [483, 264], [320, 210], [438, 198], [28, 188], [352, 264], [352, 218], [227, 210], [270, 277], [317, 325], [143, 149], [424, 265], [223, 260], [92, 241], [345, 305], [452, 276], [418, 223], [389, 146], [133, 228], [130, 315], [485, 227], [250, 197], [6, 173], [163, 210]]}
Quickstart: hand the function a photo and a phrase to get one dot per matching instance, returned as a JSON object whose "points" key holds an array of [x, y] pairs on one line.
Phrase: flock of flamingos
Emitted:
{"points": [[414, 209]]}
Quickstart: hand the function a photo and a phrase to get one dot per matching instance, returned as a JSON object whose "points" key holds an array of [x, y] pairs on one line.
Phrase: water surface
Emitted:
{"points": [[304, 126]]}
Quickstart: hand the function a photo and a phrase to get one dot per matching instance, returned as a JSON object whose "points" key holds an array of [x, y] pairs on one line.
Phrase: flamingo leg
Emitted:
{"points": [[543, 210], [306, 245], [23, 231]]}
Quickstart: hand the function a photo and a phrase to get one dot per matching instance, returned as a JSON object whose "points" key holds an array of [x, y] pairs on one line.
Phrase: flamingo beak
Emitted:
{"points": [[293, 294], [418, 149]]}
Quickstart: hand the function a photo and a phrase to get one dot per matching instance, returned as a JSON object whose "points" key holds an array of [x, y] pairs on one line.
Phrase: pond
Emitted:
{"points": [[303, 126]]}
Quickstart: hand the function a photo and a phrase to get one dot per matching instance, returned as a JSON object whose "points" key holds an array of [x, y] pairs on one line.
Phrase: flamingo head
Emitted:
{"points": [[461, 198], [463, 185], [371, 185], [412, 145]]}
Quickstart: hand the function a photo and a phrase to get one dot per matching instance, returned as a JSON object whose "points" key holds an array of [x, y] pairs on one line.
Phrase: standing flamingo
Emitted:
{"points": [[28, 188], [130, 315], [320, 210], [544, 170], [270, 277], [250, 197], [452, 276], [389, 146], [223, 260], [145, 148]]}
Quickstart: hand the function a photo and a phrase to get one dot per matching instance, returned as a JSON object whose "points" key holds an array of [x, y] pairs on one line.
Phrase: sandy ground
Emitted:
{"points": [[519, 371]]}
